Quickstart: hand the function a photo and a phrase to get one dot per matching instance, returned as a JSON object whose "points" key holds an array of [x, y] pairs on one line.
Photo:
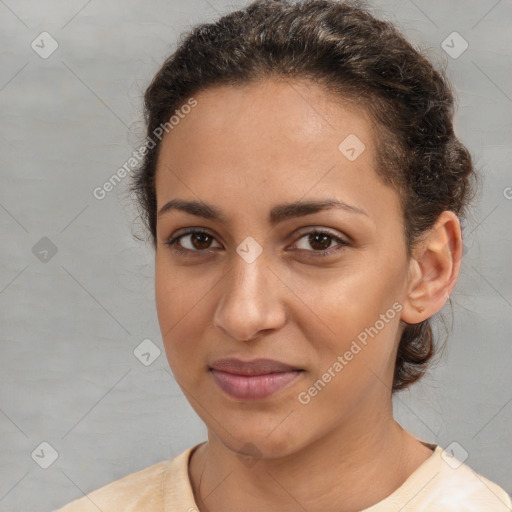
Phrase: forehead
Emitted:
{"points": [[302, 115], [270, 141]]}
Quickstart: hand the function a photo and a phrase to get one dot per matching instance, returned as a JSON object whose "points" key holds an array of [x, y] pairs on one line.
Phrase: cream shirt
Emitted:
{"points": [[440, 484]]}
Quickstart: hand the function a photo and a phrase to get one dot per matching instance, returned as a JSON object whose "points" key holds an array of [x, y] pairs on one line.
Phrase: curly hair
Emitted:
{"points": [[342, 47]]}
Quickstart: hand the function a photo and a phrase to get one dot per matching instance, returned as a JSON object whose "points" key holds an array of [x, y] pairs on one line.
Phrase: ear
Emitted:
{"points": [[434, 269]]}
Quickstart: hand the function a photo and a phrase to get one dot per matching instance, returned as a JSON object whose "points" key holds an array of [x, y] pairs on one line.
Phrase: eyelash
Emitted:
{"points": [[172, 243]]}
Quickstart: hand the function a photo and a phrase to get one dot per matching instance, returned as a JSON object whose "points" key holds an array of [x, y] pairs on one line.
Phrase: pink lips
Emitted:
{"points": [[252, 380]]}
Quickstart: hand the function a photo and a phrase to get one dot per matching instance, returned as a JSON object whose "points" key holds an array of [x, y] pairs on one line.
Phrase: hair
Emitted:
{"points": [[342, 47]]}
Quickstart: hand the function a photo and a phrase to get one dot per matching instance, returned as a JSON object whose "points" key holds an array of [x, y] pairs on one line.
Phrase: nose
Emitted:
{"points": [[250, 302]]}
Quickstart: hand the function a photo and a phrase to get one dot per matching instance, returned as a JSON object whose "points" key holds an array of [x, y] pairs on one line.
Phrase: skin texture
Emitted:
{"points": [[245, 150]]}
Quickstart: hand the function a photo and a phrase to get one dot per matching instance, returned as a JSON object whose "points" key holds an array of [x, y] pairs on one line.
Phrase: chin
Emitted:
{"points": [[251, 442]]}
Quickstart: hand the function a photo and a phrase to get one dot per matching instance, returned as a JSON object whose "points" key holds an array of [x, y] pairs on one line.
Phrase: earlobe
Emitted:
{"points": [[434, 269]]}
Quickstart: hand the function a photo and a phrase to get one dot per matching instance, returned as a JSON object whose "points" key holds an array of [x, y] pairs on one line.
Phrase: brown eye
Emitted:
{"points": [[201, 240], [192, 241], [320, 242]]}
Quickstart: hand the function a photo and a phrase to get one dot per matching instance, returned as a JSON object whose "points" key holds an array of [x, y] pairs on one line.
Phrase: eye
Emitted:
{"points": [[199, 241], [193, 240], [321, 241]]}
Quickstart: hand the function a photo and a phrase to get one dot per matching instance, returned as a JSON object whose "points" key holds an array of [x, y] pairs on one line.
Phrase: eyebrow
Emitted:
{"points": [[278, 213]]}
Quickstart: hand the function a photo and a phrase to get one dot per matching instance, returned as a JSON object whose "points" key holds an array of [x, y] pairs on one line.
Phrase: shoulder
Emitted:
{"points": [[445, 484], [462, 488], [142, 490]]}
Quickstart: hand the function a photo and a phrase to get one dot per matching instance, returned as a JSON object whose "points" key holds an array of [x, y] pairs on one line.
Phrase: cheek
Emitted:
{"points": [[183, 314], [168, 298], [172, 305], [354, 350], [350, 311], [345, 301], [177, 291]]}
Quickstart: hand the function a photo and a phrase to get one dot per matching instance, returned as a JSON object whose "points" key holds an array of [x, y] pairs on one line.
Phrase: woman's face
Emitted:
{"points": [[318, 289]]}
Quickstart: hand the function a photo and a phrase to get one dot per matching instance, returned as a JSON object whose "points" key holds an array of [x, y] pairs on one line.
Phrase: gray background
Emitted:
{"points": [[70, 321]]}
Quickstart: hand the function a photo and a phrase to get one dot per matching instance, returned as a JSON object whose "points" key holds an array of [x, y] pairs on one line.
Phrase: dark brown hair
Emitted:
{"points": [[342, 47]]}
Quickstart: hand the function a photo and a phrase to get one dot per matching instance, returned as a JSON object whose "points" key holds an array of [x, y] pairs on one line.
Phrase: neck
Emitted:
{"points": [[350, 468]]}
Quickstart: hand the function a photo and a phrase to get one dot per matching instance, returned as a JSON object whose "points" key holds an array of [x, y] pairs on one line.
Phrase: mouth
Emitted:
{"points": [[253, 380]]}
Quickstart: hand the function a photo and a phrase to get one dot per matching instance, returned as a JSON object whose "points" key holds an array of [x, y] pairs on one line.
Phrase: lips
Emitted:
{"points": [[254, 367], [253, 380]]}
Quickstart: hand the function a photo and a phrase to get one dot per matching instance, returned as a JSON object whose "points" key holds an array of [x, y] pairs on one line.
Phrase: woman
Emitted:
{"points": [[303, 188]]}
